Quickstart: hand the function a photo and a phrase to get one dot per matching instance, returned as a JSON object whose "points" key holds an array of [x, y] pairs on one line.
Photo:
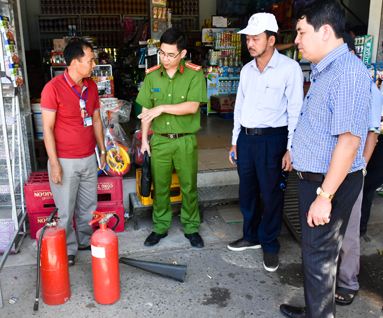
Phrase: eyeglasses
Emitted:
{"points": [[170, 56]]}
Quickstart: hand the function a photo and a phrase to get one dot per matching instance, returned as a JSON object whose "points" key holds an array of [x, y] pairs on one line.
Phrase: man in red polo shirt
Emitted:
{"points": [[72, 126]]}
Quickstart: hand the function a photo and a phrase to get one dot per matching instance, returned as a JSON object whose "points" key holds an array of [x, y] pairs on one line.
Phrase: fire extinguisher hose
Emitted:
{"points": [[118, 221], [37, 299]]}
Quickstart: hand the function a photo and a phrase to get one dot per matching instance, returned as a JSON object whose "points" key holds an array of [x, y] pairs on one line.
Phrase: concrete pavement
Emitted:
{"points": [[238, 287]]}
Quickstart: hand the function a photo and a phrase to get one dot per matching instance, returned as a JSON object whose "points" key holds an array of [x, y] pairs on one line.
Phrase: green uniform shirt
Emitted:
{"points": [[188, 84]]}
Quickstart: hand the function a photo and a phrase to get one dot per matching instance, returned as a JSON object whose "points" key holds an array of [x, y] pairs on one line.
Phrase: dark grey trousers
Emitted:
{"points": [[321, 244], [349, 255]]}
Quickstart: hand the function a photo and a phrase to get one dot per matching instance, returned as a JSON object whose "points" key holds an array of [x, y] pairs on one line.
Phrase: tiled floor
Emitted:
{"points": [[214, 141]]}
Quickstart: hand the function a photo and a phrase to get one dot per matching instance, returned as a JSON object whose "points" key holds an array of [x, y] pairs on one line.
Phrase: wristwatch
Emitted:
{"points": [[324, 194], [103, 152]]}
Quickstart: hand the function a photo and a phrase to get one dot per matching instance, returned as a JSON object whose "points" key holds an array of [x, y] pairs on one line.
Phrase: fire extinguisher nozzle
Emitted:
{"points": [[36, 305]]}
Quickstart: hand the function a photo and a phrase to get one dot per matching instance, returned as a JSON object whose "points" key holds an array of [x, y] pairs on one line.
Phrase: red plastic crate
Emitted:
{"points": [[37, 221], [117, 209], [109, 190], [38, 195]]}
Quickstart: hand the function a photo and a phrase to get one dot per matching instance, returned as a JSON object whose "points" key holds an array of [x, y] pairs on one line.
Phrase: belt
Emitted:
{"points": [[311, 176], [174, 136], [317, 177], [262, 131]]}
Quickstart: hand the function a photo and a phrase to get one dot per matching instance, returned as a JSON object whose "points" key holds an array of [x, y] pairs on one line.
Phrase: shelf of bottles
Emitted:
{"points": [[94, 7], [101, 23], [183, 8]]}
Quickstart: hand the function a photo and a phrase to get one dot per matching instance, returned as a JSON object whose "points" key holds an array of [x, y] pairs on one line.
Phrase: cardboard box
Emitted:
{"points": [[223, 103], [59, 44]]}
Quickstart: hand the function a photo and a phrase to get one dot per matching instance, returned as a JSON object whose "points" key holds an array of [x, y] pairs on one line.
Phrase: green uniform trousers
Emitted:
{"points": [[181, 154]]}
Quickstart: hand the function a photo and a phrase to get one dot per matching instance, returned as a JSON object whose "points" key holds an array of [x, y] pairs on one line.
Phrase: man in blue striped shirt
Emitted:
{"points": [[327, 150]]}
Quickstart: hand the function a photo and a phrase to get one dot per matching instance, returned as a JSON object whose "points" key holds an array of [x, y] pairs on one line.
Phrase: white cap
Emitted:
{"points": [[260, 22]]}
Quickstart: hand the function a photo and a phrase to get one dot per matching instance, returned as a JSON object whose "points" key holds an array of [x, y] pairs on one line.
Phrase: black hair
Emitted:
{"points": [[349, 40], [359, 30], [173, 36], [271, 33], [75, 50], [321, 12]]}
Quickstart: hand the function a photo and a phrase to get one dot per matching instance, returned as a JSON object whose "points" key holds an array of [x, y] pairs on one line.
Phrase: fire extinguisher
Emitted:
{"points": [[105, 264], [52, 264]]}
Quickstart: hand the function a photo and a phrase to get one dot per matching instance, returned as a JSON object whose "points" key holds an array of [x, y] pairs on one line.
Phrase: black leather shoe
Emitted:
{"points": [[195, 240], [293, 312], [154, 238]]}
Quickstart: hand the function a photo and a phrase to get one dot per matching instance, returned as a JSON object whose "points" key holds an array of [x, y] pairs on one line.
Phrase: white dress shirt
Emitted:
{"points": [[272, 98]]}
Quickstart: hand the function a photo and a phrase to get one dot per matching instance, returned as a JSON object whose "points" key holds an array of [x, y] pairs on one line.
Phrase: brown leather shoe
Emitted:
{"points": [[241, 245]]}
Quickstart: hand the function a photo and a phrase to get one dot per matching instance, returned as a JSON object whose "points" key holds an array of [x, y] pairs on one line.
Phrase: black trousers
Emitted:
{"points": [[260, 172], [373, 180], [321, 244]]}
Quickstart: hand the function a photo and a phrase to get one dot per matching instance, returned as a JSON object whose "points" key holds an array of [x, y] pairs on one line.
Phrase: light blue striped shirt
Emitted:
{"points": [[272, 98], [338, 102]]}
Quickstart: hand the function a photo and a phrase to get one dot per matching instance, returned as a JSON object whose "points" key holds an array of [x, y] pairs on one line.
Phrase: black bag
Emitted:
{"points": [[146, 179]]}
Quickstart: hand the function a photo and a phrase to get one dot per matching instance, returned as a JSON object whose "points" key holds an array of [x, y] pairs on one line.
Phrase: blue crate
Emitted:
{"points": [[226, 115]]}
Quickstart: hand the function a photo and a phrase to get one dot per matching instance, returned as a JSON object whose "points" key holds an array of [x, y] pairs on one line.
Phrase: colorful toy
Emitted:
{"points": [[118, 148]]}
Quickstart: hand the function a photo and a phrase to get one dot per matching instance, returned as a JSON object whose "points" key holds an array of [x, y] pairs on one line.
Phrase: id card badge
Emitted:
{"points": [[88, 121]]}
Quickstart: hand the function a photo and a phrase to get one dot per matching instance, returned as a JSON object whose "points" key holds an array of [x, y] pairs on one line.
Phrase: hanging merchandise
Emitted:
{"points": [[117, 144], [16, 138], [12, 68], [158, 18]]}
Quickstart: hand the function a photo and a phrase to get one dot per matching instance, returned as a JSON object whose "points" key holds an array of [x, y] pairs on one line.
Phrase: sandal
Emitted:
{"points": [[71, 260], [348, 296]]}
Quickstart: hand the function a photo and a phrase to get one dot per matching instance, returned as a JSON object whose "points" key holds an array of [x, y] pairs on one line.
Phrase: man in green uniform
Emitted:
{"points": [[170, 97]]}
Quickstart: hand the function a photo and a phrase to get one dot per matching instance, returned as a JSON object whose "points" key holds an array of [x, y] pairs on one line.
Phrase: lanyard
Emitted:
{"points": [[84, 101], [84, 112]]}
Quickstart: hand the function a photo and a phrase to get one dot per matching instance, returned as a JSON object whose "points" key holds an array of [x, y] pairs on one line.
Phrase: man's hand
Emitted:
{"points": [[56, 174], [148, 115], [103, 161], [286, 162], [233, 149], [320, 211], [145, 147]]}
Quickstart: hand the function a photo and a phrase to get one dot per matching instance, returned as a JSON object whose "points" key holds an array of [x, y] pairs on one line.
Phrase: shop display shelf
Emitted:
{"points": [[228, 78], [225, 47]]}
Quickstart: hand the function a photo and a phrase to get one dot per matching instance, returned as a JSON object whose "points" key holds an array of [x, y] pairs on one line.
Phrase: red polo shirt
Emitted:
{"points": [[73, 140]]}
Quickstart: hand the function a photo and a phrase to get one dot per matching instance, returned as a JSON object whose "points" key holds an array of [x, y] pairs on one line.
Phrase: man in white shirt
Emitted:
{"points": [[269, 99]]}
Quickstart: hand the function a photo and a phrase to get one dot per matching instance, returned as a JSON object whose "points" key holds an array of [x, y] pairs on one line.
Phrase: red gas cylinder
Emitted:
{"points": [[54, 270], [106, 272]]}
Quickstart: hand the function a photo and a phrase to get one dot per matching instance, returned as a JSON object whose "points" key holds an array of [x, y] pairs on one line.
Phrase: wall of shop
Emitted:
{"points": [[375, 28], [206, 10], [31, 38], [359, 8]]}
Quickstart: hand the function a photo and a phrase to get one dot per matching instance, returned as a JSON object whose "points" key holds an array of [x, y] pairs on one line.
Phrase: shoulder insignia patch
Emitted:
{"points": [[149, 70], [193, 66]]}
